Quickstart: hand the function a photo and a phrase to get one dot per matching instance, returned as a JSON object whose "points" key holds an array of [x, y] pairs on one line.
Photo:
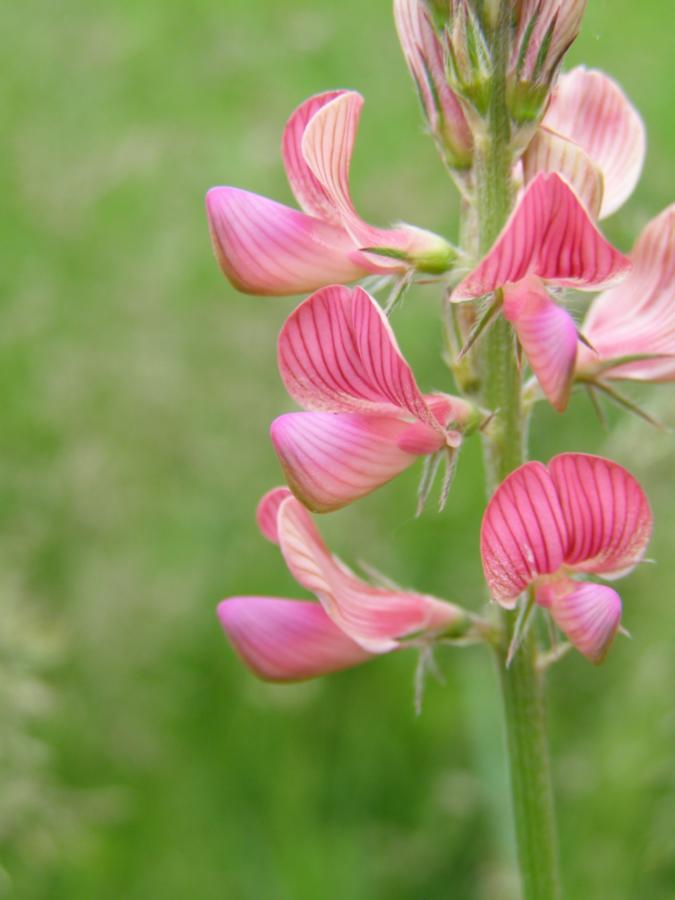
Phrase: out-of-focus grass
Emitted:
{"points": [[137, 391]]}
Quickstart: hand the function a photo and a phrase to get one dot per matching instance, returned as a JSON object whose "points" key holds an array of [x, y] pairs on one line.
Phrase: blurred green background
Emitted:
{"points": [[137, 758]]}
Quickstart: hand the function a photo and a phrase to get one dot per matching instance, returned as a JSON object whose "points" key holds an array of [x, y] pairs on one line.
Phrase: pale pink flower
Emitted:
{"points": [[266, 248], [548, 241], [544, 524], [593, 136], [366, 419], [290, 640], [424, 55], [637, 317]]}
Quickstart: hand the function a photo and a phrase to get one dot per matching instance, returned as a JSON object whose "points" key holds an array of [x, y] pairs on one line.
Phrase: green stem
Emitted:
{"points": [[504, 445]]}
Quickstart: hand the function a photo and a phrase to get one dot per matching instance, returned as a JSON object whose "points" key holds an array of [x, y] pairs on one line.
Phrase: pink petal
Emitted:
{"points": [[522, 533], [548, 336], [551, 236], [287, 640], [266, 513], [310, 194], [550, 152], [589, 108], [266, 248], [638, 316], [337, 353], [331, 459], [424, 57], [373, 617], [421, 439], [606, 513], [589, 614], [327, 147]]}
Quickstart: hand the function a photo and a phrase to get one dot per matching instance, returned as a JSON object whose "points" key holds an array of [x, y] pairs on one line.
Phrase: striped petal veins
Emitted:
{"points": [[579, 514], [549, 235]]}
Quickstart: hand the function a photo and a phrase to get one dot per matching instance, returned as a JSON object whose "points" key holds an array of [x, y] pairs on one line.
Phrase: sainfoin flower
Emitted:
{"points": [[580, 514], [549, 241], [593, 136], [424, 55], [365, 419], [264, 247], [291, 640], [637, 317]]}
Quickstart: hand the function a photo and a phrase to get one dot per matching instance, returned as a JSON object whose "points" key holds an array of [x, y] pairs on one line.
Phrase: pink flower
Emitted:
{"points": [[549, 240], [594, 137], [543, 524], [424, 55], [637, 318], [266, 248], [366, 419], [290, 640]]}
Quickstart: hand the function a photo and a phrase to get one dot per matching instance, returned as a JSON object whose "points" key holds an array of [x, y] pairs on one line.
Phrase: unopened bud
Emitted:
{"points": [[426, 252], [469, 60], [424, 55], [544, 31]]}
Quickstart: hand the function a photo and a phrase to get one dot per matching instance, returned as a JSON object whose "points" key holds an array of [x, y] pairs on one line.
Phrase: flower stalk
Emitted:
{"points": [[504, 450], [487, 75]]}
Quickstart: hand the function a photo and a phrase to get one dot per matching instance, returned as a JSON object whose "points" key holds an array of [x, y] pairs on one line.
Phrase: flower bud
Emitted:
{"points": [[424, 56], [544, 31], [469, 59], [424, 251]]}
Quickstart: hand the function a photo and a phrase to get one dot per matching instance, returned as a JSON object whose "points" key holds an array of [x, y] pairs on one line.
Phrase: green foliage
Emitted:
{"points": [[139, 760]]}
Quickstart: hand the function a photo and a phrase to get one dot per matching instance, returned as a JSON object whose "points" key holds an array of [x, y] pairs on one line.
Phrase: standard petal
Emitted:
{"points": [[337, 352], [607, 516], [638, 316], [589, 108], [549, 235], [266, 512], [550, 152], [332, 459], [287, 640], [309, 192], [266, 248], [589, 614], [548, 336], [327, 146], [373, 617], [522, 534]]}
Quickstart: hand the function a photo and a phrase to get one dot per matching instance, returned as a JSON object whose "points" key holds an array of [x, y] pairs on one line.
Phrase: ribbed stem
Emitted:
{"points": [[522, 687]]}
